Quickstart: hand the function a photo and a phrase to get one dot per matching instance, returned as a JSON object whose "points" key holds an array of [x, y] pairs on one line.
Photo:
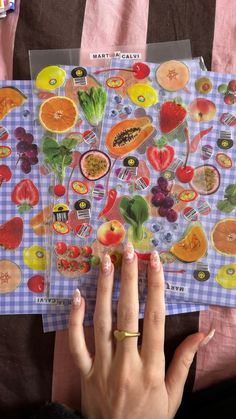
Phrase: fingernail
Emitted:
{"points": [[155, 260], [129, 252], [207, 338], [76, 298], [106, 264]]}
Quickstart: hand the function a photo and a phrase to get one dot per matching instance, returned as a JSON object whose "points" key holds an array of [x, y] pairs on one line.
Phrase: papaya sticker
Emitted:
{"points": [[79, 187], [61, 228], [5, 151], [225, 141], [79, 75], [188, 195], [224, 160], [115, 82], [4, 134], [60, 212], [83, 230]]}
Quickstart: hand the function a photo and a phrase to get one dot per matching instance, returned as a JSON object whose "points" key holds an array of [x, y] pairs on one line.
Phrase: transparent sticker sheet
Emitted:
{"points": [[23, 288], [118, 185]]}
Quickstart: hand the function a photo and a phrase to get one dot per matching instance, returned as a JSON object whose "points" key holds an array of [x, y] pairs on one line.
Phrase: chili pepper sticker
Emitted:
{"points": [[112, 194]]}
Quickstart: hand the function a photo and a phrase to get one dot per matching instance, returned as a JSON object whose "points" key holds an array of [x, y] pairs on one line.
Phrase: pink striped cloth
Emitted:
{"points": [[7, 39], [216, 361]]}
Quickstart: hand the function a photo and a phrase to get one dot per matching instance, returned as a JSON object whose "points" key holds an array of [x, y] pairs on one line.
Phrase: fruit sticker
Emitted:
{"points": [[160, 155], [11, 233], [5, 174], [50, 78], [203, 85], [172, 75], [193, 246], [26, 149], [223, 237], [25, 195], [206, 179], [41, 222], [94, 164], [35, 257], [229, 92], [226, 276], [36, 284], [10, 98], [58, 114], [10, 276], [202, 110], [172, 120], [224, 160], [111, 233], [5, 151], [142, 95]]}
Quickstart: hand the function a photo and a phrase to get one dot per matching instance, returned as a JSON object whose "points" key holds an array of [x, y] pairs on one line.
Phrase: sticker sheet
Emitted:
{"points": [[23, 257], [140, 152]]}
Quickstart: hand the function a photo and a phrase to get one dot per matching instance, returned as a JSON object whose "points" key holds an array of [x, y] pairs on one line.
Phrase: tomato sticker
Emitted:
{"points": [[188, 195], [5, 151], [60, 227], [79, 187], [114, 82], [224, 160]]}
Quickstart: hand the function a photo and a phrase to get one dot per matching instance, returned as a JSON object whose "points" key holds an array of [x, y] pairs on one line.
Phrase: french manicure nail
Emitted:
{"points": [[155, 260], [129, 251], [207, 338], [106, 264], [77, 298]]}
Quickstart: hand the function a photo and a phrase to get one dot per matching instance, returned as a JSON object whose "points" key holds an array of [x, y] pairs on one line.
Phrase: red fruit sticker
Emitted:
{"points": [[73, 251], [11, 233], [172, 114], [60, 248], [59, 190], [5, 174], [160, 159], [25, 195], [36, 284]]}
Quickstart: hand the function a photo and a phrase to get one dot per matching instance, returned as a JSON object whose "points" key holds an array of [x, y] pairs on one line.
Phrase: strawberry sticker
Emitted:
{"points": [[160, 155], [11, 233], [172, 114], [25, 195]]}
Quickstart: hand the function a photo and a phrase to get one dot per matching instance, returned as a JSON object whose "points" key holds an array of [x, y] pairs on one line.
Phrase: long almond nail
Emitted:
{"points": [[207, 338], [76, 298], [155, 260], [106, 264], [129, 252]]}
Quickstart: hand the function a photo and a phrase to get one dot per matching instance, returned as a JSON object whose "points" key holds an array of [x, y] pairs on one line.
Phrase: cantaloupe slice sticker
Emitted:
{"points": [[50, 78], [10, 98], [10, 276], [172, 75], [58, 114]]}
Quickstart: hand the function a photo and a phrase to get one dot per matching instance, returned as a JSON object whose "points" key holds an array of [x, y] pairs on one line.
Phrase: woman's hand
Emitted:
{"points": [[121, 381]]}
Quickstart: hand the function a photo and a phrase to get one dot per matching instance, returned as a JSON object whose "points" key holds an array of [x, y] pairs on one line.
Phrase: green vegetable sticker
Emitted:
{"points": [[135, 212]]}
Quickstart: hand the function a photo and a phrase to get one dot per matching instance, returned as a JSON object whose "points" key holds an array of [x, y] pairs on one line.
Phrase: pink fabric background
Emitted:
{"points": [[7, 38], [217, 360]]}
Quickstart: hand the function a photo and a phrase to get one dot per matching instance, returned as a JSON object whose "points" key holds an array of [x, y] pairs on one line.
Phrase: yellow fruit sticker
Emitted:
{"points": [[60, 227], [115, 82], [142, 95], [188, 195], [79, 187], [5, 151], [226, 276], [50, 78], [224, 160]]}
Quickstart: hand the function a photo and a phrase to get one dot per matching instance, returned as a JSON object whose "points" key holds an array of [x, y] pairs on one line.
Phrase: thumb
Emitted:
{"points": [[178, 370]]}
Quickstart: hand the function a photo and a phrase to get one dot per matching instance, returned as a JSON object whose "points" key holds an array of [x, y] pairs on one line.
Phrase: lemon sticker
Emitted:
{"points": [[50, 78], [226, 276], [142, 95]]}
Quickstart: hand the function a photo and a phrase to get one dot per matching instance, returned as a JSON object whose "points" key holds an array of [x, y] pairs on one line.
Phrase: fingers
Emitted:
{"points": [[103, 311], [128, 304], [77, 342], [179, 368], [152, 350]]}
